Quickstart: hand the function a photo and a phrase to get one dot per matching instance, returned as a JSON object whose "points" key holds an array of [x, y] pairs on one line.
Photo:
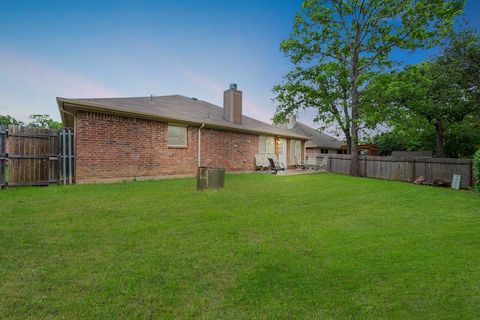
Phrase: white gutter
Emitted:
{"points": [[199, 141]]}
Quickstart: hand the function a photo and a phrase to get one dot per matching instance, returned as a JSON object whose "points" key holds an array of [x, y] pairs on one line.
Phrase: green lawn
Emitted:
{"points": [[265, 247]]}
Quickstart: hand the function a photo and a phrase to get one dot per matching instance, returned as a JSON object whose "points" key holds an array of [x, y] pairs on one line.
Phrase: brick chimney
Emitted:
{"points": [[292, 121], [232, 104]]}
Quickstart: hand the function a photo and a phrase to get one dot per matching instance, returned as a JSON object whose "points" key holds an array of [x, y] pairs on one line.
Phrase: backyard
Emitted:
{"points": [[266, 247]]}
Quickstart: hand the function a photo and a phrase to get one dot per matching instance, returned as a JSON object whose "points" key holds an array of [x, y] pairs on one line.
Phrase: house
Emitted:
{"points": [[369, 149], [318, 143], [147, 137]]}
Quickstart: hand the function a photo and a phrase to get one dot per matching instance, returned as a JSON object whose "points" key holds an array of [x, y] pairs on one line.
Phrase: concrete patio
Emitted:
{"points": [[292, 172]]}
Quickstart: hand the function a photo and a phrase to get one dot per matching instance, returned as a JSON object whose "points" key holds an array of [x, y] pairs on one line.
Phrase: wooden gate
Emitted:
{"points": [[35, 156], [32, 156], [3, 142]]}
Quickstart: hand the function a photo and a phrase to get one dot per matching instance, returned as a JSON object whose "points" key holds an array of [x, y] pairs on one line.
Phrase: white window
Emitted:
{"points": [[295, 150], [266, 144], [177, 136]]}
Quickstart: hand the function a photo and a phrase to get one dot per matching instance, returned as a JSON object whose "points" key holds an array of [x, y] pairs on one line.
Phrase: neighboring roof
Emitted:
{"points": [[175, 108], [316, 139], [416, 154]]}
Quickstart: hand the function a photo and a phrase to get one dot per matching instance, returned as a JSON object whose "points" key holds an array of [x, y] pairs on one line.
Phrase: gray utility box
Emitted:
{"points": [[210, 178]]}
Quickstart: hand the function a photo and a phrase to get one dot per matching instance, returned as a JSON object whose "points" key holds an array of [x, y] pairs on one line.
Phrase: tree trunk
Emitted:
{"points": [[354, 165], [440, 137], [348, 138]]}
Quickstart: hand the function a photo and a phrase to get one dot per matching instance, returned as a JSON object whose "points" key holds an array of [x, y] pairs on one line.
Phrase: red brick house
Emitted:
{"points": [[148, 137]]}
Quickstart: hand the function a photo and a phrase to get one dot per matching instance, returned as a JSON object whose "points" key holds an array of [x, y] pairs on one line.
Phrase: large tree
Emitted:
{"points": [[461, 139], [414, 135], [337, 46], [36, 121], [43, 121], [7, 120], [443, 93]]}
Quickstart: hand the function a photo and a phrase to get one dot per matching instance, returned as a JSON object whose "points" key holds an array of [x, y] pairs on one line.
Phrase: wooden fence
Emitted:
{"points": [[405, 168], [35, 156], [3, 142]]}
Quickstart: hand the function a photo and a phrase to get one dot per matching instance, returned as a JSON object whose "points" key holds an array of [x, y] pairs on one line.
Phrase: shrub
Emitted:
{"points": [[476, 170]]}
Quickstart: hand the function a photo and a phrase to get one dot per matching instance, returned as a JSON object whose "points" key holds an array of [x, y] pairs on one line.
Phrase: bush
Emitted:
{"points": [[476, 170]]}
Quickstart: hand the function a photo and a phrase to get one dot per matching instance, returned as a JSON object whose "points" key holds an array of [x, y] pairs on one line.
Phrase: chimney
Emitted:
{"points": [[232, 104], [292, 121]]}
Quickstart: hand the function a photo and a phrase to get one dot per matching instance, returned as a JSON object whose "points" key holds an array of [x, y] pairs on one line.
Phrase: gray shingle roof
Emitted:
{"points": [[316, 138], [175, 108]]}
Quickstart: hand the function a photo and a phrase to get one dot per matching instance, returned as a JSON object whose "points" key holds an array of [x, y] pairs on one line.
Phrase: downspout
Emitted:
{"points": [[199, 141]]}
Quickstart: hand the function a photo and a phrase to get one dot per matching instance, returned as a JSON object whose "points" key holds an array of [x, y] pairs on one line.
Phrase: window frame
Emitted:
{"points": [[264, 142], [293, 150], [178, 146]]}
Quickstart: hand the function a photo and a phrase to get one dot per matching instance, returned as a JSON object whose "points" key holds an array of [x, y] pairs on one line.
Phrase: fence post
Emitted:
{"points": [[64, 158], [69, 156], [413, 174], [59, 157], [365, 167], [471, 173], [3, 156]]}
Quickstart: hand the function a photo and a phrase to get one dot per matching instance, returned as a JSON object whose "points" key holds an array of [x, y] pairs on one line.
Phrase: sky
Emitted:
{"points": [[196, 48]]}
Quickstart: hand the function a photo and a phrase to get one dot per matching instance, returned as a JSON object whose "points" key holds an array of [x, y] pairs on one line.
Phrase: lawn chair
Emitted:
{"points": [[298, 163], [278, 164], [261, 162], [323, 165], [311, 163], [275, 166]]}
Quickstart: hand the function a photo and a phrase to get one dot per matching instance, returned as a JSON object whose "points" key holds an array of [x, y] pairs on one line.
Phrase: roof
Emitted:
{"points": [[316, 139], [173, 108], [416, 154]]}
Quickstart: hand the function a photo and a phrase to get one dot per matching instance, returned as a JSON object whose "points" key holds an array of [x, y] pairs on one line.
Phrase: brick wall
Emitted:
{"points": [[231, 150], [110, 147]]}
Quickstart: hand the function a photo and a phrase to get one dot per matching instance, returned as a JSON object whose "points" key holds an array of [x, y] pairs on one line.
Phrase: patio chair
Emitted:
{"points": [[298, 163], [311, 163], [261, 163], [323, 165], [275, 160], [275, 166]]}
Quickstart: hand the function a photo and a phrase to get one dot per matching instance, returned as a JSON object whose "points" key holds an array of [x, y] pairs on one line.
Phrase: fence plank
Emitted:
{"points": [[405, 168], [3, 142]]}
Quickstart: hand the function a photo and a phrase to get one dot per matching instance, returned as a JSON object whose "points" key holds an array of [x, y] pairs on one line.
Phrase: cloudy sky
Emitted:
{"points": [[100, 48]]}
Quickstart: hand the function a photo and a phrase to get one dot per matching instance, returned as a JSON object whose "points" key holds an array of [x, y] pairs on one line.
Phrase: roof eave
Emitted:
{"points": [[322, 146], [75, 105], [65, 115]]}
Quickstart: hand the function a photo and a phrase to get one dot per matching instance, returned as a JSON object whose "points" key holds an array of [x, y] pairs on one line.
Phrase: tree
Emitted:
{"points": [[405, 137], [443, 92], [461, 139], [44, 121], [337, 46], [7, 120], [476, 170]]}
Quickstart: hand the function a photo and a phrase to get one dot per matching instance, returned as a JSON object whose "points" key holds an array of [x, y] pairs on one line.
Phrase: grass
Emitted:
{"points": [[265, 247]]}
